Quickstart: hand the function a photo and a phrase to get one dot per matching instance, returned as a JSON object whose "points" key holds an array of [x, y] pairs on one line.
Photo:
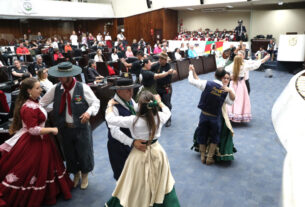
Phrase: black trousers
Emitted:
{"points": [[78, 148], [166, 97], [118, 154]]}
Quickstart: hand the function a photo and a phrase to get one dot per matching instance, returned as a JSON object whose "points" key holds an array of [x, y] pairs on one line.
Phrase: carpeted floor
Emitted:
{"points": [[253, 179]]}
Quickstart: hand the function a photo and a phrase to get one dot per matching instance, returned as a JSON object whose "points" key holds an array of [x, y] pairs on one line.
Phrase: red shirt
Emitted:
{"points": [[22, 51]]}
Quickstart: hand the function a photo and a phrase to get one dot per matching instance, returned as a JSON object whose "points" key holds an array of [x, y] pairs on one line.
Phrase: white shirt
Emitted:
{"points": [[98, 58], [93, 102], [201, 84], [99, 38], [114, 57], [247, 66], [73, 39], [55, 45], [108, 37], [46, 84], [178, 56], [115, 131], [120, 37], [140, 130]]}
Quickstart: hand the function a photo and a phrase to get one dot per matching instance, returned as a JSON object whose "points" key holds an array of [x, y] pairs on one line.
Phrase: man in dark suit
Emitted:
{"points": [[93, 75], [240, 31]]}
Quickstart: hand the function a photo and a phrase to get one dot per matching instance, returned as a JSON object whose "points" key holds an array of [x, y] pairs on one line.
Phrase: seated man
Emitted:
{"points": [[93, 75], [261, 53], [21, 51], [39, 64], [19, 71]]}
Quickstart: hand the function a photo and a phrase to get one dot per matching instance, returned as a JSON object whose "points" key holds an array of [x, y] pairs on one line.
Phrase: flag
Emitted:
{"points": [[208, 47]]}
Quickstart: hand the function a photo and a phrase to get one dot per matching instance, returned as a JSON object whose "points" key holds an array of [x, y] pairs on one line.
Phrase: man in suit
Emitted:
{"points": [[240, 31]]}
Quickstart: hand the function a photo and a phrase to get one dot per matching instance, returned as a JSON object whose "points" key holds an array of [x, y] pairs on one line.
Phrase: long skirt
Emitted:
{"points": [[32, 173], [146, 181], [240, 111]]}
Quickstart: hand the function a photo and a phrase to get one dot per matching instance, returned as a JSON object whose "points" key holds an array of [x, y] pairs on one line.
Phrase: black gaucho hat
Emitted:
{"points": [[124, 83], [240, 21], [64, 69]]}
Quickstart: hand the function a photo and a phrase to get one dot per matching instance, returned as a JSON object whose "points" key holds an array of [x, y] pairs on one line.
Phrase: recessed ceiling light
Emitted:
{"points": [[229, 6], [280, 3], [191, 9]]}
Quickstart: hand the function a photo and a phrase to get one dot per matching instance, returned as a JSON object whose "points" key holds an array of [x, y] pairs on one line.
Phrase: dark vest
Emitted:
{"points": [[122, 112], [78, 105], [212, 98]]}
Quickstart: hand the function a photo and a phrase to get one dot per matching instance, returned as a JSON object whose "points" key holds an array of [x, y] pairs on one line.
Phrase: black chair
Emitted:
{"points": [[102, 69], [85, 71]]}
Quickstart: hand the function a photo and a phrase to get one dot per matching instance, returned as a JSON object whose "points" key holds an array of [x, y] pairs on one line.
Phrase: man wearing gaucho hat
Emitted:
{"points": [[73, 105], [120, 140], [164, 87]]}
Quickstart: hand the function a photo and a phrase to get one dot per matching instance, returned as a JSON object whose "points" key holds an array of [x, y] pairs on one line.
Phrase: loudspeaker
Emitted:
{"points": [[201, 1], [149, 2]]}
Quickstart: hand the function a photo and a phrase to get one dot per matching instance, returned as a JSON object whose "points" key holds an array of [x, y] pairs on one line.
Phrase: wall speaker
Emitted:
{"points": [[149, 2], [201, 1]]}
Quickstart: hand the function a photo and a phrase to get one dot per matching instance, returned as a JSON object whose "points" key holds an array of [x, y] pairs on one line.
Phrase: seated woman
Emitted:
{"points": [[177, 54], [98, 57], [146, 179], [114, 55], [128, 52], [68, 47], [93, 75], [32, 172], [147, 78], [19, 71], [45, 84]]}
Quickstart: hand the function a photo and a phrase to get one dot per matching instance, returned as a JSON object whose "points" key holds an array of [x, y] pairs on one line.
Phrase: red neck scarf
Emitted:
{"points": [[66, 96]]}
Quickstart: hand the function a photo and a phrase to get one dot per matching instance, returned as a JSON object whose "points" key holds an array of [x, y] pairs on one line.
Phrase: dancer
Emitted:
{"points": [[74, 103], [214, 94], [146, 179], [32, 172], [240, 111]]}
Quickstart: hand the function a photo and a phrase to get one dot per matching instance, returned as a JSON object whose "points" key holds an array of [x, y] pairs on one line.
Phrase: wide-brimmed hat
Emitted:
{"points": [[64, 69], [124, 83], [163, 55]]}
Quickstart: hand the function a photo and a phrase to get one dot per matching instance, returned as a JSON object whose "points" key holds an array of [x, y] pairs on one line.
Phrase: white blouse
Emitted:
{"points": [[247, 66], [46, 84], [98, 58], [140, 130]]}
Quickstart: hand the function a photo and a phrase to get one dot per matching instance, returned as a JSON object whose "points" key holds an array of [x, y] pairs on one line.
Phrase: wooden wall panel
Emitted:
{"points": [[170, 24]]}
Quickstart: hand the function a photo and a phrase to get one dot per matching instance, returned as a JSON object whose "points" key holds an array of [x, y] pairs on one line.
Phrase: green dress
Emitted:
{"points": [[225, 148]]}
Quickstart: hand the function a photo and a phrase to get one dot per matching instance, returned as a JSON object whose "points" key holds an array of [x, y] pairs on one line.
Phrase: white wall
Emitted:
{"points": [[193, 20], [278, 22]]}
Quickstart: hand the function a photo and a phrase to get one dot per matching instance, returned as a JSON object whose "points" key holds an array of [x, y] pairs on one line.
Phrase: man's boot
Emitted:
{"points": [[76, 179], [202, 149], [211, 153], [84, 183]]}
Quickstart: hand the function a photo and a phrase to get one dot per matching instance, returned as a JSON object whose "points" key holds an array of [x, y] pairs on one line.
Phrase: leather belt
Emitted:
{"points": [[208, 114], [148, 142], [69, 125]]}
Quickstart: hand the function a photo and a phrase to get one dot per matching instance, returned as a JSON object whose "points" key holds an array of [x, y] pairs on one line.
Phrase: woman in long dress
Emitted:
{"points": [[240, 110], [32, 172], [146, 179]]}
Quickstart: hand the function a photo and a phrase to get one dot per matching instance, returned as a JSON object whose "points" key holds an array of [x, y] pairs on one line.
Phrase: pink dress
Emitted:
{"points": [[240, 110], [32, 172]]}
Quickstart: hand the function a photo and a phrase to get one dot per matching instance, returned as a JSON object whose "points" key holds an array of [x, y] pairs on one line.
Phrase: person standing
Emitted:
{"points": [[73, 105], [120, 140], [164, 87], [146, 179], [214, 94], [32, 172], [240, 31]]}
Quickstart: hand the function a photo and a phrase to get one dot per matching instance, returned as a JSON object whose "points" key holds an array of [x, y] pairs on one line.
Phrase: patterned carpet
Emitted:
{"points": [[253, 179]]}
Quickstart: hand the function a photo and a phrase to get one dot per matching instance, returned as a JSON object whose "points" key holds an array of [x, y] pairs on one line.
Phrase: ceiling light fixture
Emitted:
{"points": [[190, 9], [229, 6], [280, 3]]}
